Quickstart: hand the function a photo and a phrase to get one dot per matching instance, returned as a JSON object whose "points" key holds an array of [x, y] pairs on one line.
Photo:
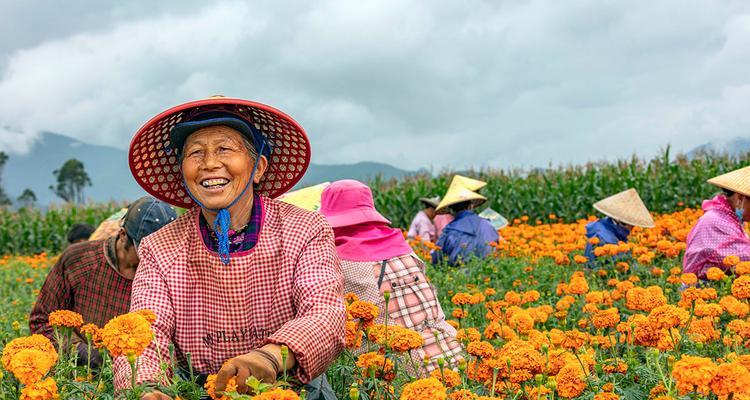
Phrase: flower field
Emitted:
{"points": [[535, 322]]}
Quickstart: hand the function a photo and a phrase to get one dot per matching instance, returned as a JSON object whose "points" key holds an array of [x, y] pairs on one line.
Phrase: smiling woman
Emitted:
{"points": [[238, 260]]}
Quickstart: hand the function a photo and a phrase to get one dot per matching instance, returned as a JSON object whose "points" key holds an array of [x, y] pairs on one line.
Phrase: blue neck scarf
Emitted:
{"points": [[223, 218]]}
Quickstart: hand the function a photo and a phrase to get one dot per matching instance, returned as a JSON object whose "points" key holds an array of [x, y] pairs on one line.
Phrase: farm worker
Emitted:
{"points": [[622, 211], [468, 235], [422, 224], [79, 233], [240, 274], [109, 227], [719, 232], [441, 221], [93, 278], [376, 258]]}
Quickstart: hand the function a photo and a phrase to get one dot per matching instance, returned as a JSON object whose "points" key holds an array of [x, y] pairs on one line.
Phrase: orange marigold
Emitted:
{"points": [[93, 333], [730, 378], [375, 363], [210, 387], [734, 307], [462, 394], [406, 339], [30, 365], [65, 319], [350, 298], [127, 334], [606, 396], [480, 349], [35, 341], [353, 335], [461, 299], [449, 377], [363, 310], [668, 316], [645, 299], [521, 321], [571, 381], [574, 339], [742, 268], [277, 394], [715, 274], [149, 315], [693, 374], [731, 261], [424, 389], [741, 287], [468, 335], [608, 318], [45, 389]]}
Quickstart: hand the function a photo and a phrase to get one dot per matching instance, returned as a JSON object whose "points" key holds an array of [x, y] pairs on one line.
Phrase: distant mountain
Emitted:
{"points": [[735, 147], [110, 175]]}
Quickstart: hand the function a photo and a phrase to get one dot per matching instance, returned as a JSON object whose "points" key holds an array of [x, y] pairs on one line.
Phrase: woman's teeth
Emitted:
{"points": [[211, 183]]}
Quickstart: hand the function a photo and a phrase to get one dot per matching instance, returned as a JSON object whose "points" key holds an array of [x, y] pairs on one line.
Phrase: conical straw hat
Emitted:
{"points": [[626, 207], [469, 183], [458, 192], [737, 181], [306, 198]]}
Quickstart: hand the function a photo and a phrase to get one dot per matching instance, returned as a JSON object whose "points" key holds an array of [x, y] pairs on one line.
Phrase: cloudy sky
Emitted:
{"points": [[431, 83]]}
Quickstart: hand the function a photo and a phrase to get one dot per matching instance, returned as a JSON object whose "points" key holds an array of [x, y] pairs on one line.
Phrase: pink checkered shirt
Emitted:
{"points": [[413, 304], [286, 290]]}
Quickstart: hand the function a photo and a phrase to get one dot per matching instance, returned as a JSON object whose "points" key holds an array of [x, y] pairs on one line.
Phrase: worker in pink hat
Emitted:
{"points": [[376, 258]]}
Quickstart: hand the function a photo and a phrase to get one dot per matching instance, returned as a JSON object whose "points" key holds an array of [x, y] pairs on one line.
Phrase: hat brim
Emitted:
{"points": [[156, 166], [429, 202], [181, 131], [356, 216]]}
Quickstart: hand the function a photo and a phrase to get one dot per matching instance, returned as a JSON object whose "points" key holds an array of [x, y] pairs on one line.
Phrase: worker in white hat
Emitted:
{"points": [[423, 225], [720, 231], [622, 211], [468, 235]]}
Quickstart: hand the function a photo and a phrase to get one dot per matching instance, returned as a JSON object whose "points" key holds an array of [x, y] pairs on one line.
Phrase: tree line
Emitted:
{"points": [[71, 180]]}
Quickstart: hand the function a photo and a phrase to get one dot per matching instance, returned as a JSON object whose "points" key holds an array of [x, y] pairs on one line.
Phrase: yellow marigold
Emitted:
{"points": [[363, 310], [461, 299], [406, 339], [35, 341], [353, 335], [480, 349], [731, 261], [462, 394], [730, 378], [571, 381], [689, 278], [149, 315], [449, 377], [741, 287], [30, 365], [606, 396], [693, 374], [127, 334], [210, 387], [668, 316], [468, 335], [374, 362], [45, 389], [734, 307], [715, 274], [424, 389], [65, 319], [277, 394], [521, 321], [608, 318]]}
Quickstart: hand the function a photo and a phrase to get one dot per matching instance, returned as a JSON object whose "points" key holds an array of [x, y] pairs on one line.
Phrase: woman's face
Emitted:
{"points": [[217, 166]]}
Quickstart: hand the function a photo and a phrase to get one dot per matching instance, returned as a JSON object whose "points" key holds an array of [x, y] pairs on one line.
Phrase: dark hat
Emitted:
{"points": [[145, 216]]}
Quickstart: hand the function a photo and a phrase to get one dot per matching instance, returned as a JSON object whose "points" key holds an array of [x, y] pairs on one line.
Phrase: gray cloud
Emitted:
{"points": [[412, 83]]}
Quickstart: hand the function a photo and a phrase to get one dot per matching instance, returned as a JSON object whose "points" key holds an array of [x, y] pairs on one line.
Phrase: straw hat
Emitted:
{"points": [[459, 192], [497, 220], [737, 181], [306, 198], [155, 164], [430, 201], [626, 207]]}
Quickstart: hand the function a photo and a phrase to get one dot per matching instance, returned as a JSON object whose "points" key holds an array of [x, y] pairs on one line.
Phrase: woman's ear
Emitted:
{"points": [[261, 169]]}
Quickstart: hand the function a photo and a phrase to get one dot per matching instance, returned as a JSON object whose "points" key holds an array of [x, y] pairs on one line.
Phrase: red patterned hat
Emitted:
{"points": [[156, 167]]}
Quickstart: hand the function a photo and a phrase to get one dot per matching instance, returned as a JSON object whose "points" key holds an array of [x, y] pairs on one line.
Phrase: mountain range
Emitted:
{"points": [[110, 176]]}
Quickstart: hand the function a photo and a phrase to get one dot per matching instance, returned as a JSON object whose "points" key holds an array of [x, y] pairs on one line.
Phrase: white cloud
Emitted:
{"points": [[412, 83]]}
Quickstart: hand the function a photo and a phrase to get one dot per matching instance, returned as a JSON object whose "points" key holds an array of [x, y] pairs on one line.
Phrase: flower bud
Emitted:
{"points": [[354, 392]]}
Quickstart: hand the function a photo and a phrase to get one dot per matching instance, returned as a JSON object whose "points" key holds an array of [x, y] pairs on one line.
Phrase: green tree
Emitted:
{"points": [[71, 180], [27, 199], [4, 200]]}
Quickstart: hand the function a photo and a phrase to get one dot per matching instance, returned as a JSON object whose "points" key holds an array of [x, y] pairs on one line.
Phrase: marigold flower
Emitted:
{"points": [[578, 285], [645, 299], [363, 310], [731, 261], [353, 335], [452, 378], [693, 374], [127, 334], [734, 307], [406, 339], [741, 287], [708, 310], [351, 298], [521, 321], [742, 268], [45, 389], [277, 394], [461, 299], [608, 318], [668, 316], [30, 365], [210, 387], [37, 342], [149, 315], [689, 278], [606, 396], [480, 349], [424, 389], [65, 319], [571, 381], [574, 339], [375, 363], [92, 331], [730, 378], [468, 335]]}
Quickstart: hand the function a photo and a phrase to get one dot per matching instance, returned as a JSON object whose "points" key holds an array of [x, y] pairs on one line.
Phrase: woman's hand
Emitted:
{"points": [[264, 364], [155, 395]]}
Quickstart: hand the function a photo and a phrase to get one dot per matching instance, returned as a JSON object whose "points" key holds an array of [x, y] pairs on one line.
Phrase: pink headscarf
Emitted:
{"points": [[717, 234], [362, 233]]}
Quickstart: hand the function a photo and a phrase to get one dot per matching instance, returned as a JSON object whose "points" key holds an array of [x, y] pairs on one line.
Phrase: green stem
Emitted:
{"points": [[494, 381]]}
